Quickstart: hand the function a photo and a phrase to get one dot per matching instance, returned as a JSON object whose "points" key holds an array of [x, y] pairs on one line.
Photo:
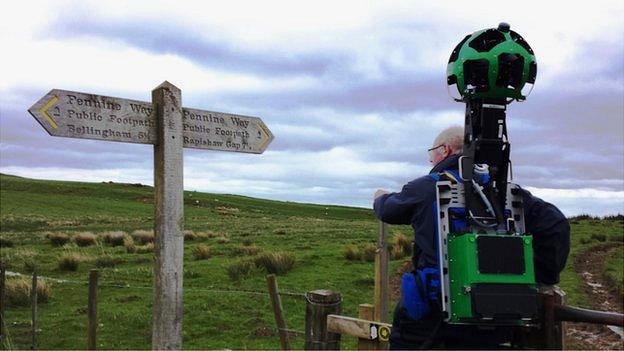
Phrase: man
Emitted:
{"points": [[415, 205]]}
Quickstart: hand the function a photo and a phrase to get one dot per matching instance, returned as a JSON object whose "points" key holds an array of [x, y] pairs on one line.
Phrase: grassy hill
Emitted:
{"points": [[221, 311]]}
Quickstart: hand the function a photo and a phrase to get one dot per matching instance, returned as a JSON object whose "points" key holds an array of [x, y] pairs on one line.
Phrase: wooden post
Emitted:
{"points": [[320, 304], [92, 310], [2, 298], [553, 331], [168, 219], [366, 311], [33, 305], [382, 279], [276, 301]]}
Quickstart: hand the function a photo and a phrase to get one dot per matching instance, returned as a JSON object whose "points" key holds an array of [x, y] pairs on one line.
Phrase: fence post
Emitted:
{"points": [[276, 301], [2, 298], [321, 303], [92, 310], [33, 304], [551, 334], [382, 279], [367, 311]]}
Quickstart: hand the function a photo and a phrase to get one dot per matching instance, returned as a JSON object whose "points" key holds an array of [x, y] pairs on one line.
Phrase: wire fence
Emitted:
{"points": [[6, 339], [102, 284]]}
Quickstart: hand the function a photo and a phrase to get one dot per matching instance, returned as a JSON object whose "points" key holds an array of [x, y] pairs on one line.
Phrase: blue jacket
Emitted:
{"points": [[415, 205]]}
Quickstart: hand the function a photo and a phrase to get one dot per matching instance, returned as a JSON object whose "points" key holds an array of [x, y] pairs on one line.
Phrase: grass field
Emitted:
{"points": [[221, 311]]}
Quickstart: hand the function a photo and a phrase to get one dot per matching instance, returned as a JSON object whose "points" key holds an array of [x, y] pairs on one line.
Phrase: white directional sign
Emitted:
{"points": [[79, 115]]}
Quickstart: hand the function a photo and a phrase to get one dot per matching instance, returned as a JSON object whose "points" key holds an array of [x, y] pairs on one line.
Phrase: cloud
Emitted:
{"points": [[354, 94], [206, 49], [585, 200]]}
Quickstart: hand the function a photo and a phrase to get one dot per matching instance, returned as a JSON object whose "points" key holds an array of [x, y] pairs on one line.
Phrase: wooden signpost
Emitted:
{"points": [[87, 116], [169, 127]]}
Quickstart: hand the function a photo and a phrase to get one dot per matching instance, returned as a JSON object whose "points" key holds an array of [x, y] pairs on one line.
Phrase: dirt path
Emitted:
{"points": [[590, 266]]}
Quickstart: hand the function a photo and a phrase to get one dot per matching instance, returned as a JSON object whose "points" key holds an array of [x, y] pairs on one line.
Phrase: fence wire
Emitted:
{"points": [[128, 286]]}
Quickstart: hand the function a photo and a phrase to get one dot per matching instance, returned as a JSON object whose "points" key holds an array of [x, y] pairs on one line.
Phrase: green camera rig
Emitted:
{"points": [[485, 254]]}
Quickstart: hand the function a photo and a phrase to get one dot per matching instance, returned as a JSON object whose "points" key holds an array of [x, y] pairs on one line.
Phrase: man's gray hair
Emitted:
{"points": [[452, 136]]}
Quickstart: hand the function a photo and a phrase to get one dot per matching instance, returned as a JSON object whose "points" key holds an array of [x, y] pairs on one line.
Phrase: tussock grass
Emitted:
{"points": [[614, 272], [401, 246], [368, 252], [18, 291], [599, 237], [223, 240], [143, 236], [114, 238], [352, 253], [85, 239], [206, 234], [616, 237], [6, 242], [147, 248], [227, 211], [27, 258], [69, 261], [360, 253], [240, 269], [107, 261], [202, 252], [128, 243], [246, 250], [276, 262], [189, 235], [58, 239]]}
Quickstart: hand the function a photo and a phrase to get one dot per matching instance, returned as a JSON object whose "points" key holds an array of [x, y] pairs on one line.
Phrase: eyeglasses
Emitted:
{"points": [[435, 147]]}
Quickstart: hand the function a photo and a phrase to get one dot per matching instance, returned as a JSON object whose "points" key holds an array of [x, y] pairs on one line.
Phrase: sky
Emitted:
{"points": [[354, 91]]}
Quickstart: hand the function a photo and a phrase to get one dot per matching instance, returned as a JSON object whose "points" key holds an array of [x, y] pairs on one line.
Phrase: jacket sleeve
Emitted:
{"points": [[551, 237], [399, 208]]}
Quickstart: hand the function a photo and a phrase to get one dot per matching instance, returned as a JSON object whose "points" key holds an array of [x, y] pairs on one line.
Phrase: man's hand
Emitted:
{"points": [[380, 192]]}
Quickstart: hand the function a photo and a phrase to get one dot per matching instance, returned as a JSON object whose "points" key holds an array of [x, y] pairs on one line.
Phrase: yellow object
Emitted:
{"points": [[44, 111]]}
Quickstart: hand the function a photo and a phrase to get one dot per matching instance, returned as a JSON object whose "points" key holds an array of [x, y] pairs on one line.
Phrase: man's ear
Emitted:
{"points": [[447, 151]]}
